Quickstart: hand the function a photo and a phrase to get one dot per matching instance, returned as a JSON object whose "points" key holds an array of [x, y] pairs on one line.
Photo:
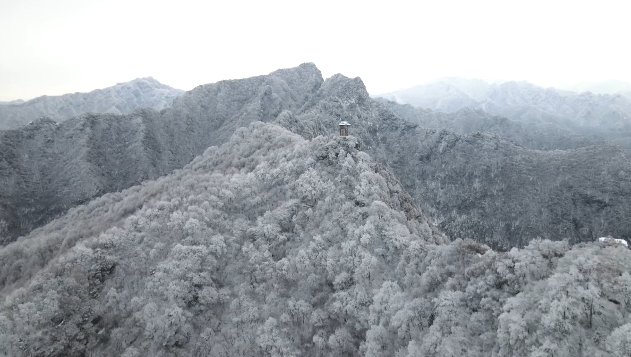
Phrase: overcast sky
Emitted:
{"points": [[59, 46]]}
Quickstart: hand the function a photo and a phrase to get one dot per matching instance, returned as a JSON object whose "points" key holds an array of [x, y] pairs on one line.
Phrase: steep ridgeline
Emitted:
{"points": [[47, 168], [538, 109], [272, 245], [479, 186], [122, 98]]}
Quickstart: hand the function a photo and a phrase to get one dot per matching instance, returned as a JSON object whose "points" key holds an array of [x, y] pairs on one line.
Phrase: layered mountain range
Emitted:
{"points": [[50, 167], [540, 136], [122, 98], [604, 116], [475, 186], [275, 245]]}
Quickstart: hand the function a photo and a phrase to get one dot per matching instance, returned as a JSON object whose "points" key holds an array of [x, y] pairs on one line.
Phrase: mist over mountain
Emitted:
{"points": [[539, 109], [274, 245], [603, 87], [17, 101], [473, 186], [542, 136], [121, 98]]}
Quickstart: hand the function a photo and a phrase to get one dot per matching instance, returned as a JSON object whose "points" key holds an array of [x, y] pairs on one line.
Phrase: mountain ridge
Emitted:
{"points": [[96, 154], [121, 98], [59, 166], [272, 244], [604, 116]]}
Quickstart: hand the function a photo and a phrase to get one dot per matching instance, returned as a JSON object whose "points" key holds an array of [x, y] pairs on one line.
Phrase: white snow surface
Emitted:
{"points": [[613, 240]]}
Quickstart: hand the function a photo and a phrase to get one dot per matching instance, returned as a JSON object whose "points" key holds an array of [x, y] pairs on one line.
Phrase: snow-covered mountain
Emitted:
{"points": [[274, 245], [510, 98], [121, 98], [543, 136], [604, 115], [474, 185], [267, 234], [448, 95], [49, 167]]}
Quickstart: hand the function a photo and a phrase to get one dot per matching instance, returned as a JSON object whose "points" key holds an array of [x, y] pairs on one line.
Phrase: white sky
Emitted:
{"points": [[59, 46]]}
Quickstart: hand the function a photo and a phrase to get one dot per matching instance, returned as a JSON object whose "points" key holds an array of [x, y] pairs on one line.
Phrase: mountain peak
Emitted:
{"points": [[309, 66], [345, 88], [145, 83], [305, 76], [145, 80], [121, 98]]}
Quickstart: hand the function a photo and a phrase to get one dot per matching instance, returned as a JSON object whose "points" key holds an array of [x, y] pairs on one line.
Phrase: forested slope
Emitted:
{"points": [[272, 245]]}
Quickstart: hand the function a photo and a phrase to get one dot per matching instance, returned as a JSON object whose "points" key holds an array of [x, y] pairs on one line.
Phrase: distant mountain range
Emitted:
{"points": [[122, 98], [603, 87], [472, 185], [536, 109], [453, 94], [541, 136], [17, 101]]}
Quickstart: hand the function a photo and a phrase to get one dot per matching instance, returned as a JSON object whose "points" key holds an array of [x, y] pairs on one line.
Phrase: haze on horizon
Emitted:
{"points": [[57, 47]]}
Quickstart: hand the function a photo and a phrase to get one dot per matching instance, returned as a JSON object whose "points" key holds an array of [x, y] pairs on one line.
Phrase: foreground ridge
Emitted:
{"points": [[274, 245]]}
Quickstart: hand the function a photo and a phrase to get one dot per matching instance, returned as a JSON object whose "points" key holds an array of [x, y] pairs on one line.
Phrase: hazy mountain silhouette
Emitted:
{"points": [[122, 98], [538, 109]]}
